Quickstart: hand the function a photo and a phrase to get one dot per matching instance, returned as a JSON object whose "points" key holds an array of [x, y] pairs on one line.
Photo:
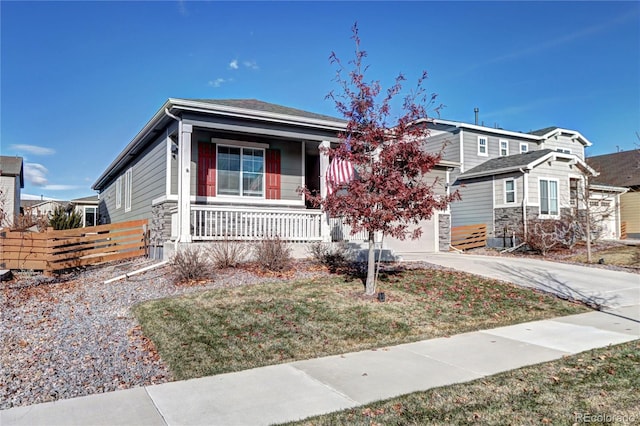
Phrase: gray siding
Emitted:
{"points": [[290, 168], [9, 198], [500, 189], [558, 170], [148, 183], [475, 205], [565, 142], [448, 140]]}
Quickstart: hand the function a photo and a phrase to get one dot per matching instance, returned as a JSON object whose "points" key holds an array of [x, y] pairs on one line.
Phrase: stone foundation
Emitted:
{"points": [[444, 232]]}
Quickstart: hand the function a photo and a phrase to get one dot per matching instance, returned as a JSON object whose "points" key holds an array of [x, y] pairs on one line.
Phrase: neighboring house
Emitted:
{"points": [[507, 178], [11, 182], [88, 208], [204, 170], [41, 207], [622, 169]]}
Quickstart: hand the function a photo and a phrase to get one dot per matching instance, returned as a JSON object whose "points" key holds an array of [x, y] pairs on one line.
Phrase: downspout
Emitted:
{"points": [[175, 244], [525, 197]]}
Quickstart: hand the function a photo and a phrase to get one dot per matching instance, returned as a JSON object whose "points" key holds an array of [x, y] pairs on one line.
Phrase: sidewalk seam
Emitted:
{"points": [[155, 406]]}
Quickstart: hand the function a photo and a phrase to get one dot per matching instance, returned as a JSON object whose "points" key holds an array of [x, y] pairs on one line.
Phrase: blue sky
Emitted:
{"points": [[80, 79]]}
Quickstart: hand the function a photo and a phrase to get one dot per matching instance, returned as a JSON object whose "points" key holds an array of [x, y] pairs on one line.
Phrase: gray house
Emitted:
{"points": [[206, 170], [506, 178], [11, 182]]}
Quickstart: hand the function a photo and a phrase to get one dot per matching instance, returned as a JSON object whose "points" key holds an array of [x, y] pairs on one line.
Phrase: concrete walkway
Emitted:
{"points": [[293, 391], [595, 286]]}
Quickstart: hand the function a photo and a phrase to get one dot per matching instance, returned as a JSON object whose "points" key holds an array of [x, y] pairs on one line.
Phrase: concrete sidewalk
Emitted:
{"points": [[297, 390]]}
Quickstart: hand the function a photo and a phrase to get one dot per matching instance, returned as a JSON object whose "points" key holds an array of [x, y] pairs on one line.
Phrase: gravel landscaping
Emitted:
{"points": [[74, 335]]}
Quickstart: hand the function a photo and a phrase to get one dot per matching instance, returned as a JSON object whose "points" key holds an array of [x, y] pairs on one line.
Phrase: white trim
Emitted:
{"points": [[119, 192], [500, 142], [515, 192], [486, 146], [461, 150], [168, 166], [303, 175], [549, 215], [242, 144], [128, 189], [264, 172], [524, 145], [247, 201]]}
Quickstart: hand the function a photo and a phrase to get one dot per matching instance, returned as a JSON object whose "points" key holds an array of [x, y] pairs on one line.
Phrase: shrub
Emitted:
{"points": [[190, 263], [65, 218], [228, 253], [333, 256], [273, 254], [544, 234]]}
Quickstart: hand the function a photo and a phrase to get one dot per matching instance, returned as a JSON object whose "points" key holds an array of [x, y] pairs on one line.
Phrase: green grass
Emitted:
{"points": [[598, 384], [227, 330]]}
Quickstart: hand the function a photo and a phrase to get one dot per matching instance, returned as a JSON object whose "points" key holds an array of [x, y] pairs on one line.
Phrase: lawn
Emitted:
{"points": [[227, 330], [601, 386], [620, 255]]}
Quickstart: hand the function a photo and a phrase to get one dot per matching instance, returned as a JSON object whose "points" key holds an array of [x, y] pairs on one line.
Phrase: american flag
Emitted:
{"points": [[340, 172]]}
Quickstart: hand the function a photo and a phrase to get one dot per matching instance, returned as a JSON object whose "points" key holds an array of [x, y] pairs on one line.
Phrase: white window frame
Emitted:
{"points": [[264, 171], [119, 192], [128, 189], [485, 146], [549, 214], [563, 150], [506, 191], [504, 142], [84, 215], [524, 147]]}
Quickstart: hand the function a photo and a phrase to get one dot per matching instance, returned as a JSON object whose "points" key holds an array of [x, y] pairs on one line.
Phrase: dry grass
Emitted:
{"points": [[228, 330], [621, 255], [602, 384]]}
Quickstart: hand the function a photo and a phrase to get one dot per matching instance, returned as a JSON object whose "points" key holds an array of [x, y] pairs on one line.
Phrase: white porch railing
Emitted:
{"points": [[243, 223], [340, 231]]}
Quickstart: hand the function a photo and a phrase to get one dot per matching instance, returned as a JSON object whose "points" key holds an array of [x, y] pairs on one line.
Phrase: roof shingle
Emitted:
{"points": [[617, 169]]}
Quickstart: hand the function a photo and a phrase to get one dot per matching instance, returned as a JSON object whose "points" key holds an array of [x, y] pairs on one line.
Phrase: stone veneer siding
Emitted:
{"points": [[160, 224], [444, 232]]}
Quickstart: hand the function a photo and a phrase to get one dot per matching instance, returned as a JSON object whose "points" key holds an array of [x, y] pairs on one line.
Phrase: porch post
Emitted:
{"points": [[325, 231], [184, 177]]}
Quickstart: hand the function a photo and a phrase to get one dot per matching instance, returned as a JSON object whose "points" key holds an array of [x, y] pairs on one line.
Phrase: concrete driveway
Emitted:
{"points": [[596, 286]]}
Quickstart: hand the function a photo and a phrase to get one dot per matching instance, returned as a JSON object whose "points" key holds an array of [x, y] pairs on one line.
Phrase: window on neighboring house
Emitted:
{"points": [[504, 148], [548, 197], [128, 187], [482, 146], [241, 171], [509, 191], [119, 192], [90, 216], [563, 150], [524, 147]]}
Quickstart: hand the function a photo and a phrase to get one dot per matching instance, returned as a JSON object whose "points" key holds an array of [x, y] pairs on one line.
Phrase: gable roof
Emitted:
{"points": [[521, 162], [12, 166], [241, 109], [257, 105], [618, 169], [535, 135]]}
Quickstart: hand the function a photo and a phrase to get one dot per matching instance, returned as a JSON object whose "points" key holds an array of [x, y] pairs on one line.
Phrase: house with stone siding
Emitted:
{"points": [[209, 170], [506, 178]]}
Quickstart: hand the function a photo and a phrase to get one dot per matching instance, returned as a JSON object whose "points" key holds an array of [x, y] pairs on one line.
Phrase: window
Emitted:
{"points": [[119, 192], [504, 148], [128, 186], [240, 171], [524, 147], [563, 150], [482, 146], [548, 197], [90, 215], [509, 191]]}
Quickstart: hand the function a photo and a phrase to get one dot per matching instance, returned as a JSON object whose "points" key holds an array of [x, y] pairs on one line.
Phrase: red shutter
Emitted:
{"points": [[273, 174], [206, 169]]}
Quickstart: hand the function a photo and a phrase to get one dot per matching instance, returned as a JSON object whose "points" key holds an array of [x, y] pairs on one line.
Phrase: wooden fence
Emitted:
{"points": [[53, 251], [469, 236], [623, 231]]}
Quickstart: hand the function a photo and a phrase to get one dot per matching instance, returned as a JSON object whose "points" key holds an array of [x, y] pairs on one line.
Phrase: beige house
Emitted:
{"points": [[622, 169]]}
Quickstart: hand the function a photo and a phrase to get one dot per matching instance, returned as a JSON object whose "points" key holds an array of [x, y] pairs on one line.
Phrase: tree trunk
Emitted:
{"points": [[588, 226], [370, 284]]}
